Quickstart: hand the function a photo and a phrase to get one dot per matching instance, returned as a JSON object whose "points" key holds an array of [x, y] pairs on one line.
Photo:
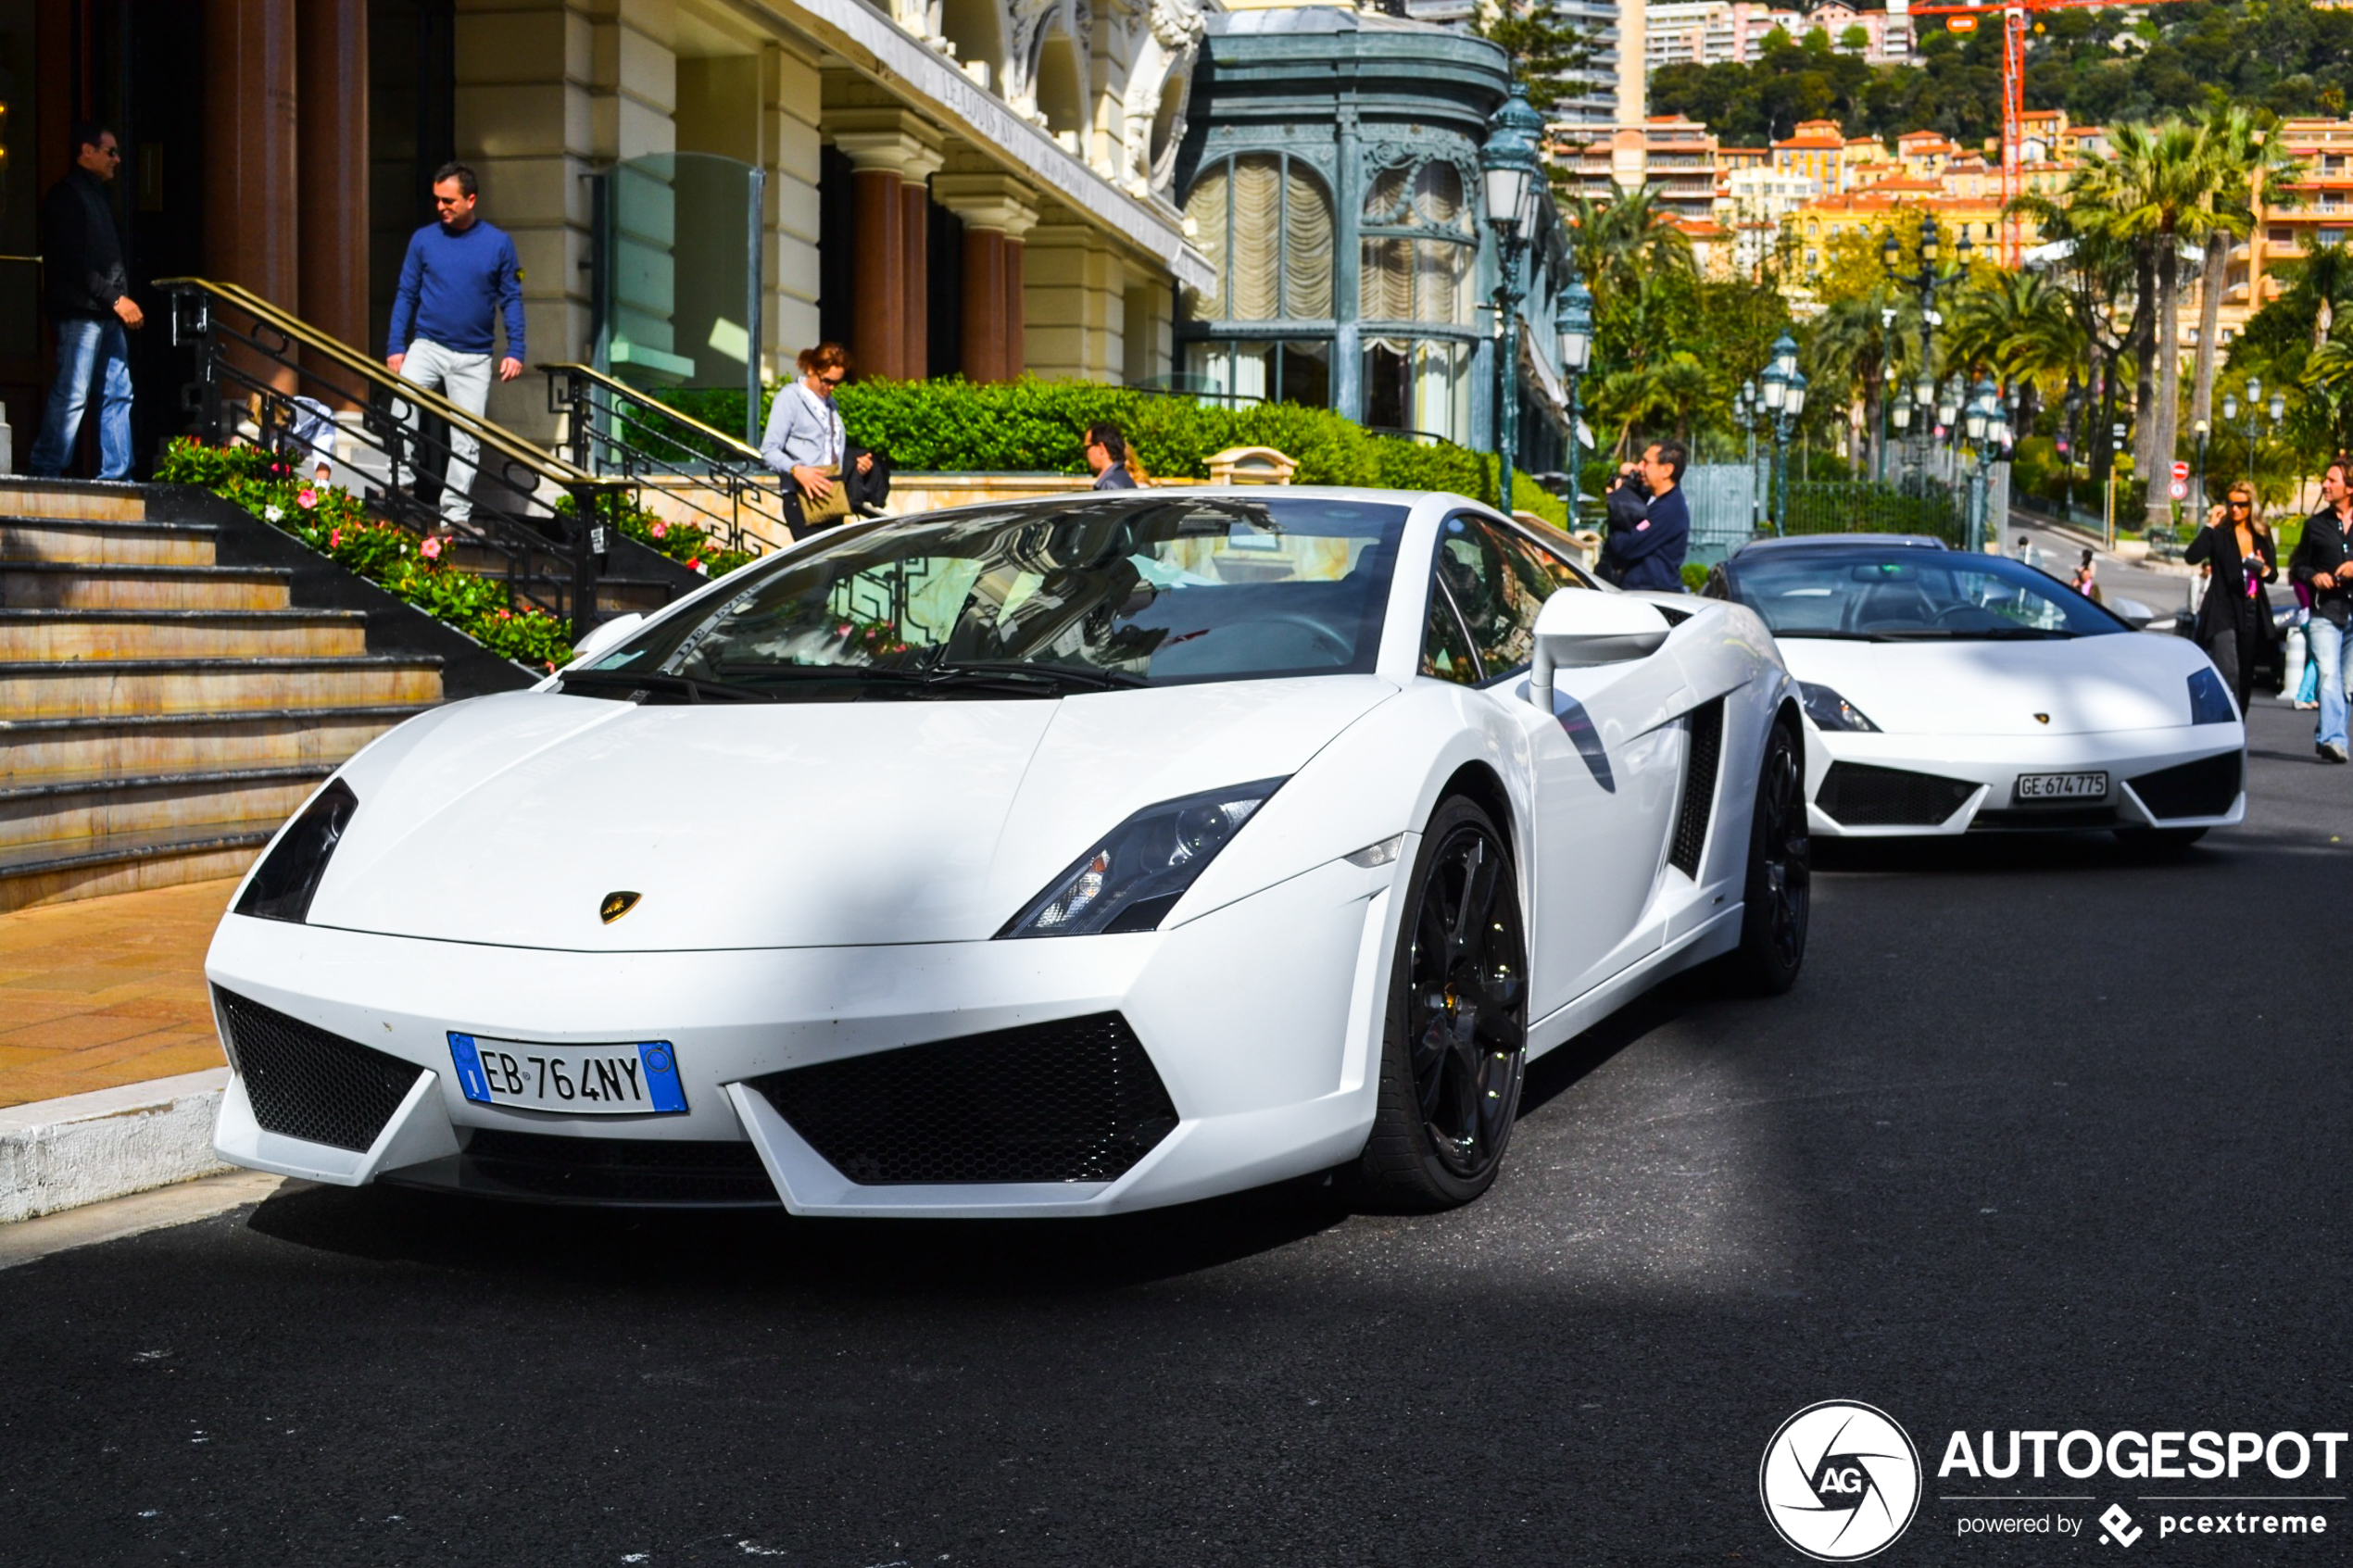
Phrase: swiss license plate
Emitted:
{"points": [[620, 1079], [2062, 787]]}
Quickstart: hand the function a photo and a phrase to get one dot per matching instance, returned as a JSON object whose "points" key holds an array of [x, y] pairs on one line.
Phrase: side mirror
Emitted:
{"points": [[1581, 627], [609, 633]]}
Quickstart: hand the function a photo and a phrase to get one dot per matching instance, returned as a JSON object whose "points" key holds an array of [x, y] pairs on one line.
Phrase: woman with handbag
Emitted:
{"points": [[2235, 619], [804, 442]]}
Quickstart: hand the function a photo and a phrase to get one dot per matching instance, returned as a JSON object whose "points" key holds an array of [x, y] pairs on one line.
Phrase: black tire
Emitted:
{"points": [[1455, 1047], [1778, 892], [2159, 843]]}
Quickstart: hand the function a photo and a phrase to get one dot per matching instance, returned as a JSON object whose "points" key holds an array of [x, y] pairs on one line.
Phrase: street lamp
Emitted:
{"points": [[1748, 407], [1891, 256], [1887, 376], [1573, 325], [1979, 422], [1785, 401], [1511, 173]]}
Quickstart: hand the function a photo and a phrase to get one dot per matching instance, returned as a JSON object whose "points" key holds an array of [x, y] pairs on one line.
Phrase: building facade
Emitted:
{"points": [[975, 186], [1329, 172]]}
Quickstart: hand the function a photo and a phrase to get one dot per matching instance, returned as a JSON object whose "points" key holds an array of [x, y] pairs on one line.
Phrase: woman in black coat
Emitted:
{"points": [[2235, 619]]}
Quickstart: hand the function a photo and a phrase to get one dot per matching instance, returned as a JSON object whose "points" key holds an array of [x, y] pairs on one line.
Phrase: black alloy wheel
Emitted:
{"points": [[1456, 1044], [1779, 890]]}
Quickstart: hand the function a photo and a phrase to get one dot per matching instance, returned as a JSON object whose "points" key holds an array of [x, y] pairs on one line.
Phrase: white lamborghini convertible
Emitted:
{"points": [[1056, 858], [1945, 691]]}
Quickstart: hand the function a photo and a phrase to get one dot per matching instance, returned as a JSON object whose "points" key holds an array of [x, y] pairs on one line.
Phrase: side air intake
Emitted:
{"points": [[307, 1084], [1707, 731]]}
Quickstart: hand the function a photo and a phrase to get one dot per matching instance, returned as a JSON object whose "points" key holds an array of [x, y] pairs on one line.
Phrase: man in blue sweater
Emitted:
{"points": [[461, 275], [1648, 539]]}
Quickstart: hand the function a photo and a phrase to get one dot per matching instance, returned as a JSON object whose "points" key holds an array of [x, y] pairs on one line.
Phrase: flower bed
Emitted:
{"points": [[689, 546], [331, 521]]}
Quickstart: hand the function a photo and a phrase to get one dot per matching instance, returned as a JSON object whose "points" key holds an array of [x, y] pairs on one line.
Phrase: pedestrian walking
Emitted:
{"points": [[2320, 563], [2086, 580], [2235, 619], [88, 294], [1107, 456], [2027, 554], [1649, 521], [459, 280], [804, 441]]}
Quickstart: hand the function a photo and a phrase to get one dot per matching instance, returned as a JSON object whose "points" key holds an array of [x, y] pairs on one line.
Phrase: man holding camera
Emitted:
{"points": [[1650, 522]]}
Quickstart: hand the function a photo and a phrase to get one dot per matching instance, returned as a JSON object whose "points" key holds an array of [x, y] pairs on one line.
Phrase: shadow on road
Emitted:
{"points": [[769, 1250]]}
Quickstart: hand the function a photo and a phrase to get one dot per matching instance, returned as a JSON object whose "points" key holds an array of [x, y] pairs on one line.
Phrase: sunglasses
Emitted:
{"points": [[2240, 506]]}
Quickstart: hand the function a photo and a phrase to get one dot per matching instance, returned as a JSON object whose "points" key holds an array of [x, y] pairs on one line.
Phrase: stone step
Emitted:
{"points": [[113, 503], [115, 543], [66, 813], [57, 585], [36, 750], [57, 690], [129, 862], [109, 634]]}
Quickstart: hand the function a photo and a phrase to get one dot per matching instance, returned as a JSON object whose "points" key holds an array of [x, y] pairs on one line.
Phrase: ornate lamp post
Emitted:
{"points": [[1891, 256], [1887, 383], [1573, 324], [1975, 422], [1785, 401], [1512, 176], [1748, 409]]}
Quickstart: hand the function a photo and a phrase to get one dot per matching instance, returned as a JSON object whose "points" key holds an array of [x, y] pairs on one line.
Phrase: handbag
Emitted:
{"points": [[834, 508]]}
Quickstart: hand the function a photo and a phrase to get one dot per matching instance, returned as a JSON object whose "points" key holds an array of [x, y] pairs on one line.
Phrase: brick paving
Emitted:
{"points": [[102, 992]]}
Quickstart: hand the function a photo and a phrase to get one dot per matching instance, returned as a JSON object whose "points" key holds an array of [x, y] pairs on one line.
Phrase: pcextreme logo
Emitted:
{"points": [[1841, 1481]]}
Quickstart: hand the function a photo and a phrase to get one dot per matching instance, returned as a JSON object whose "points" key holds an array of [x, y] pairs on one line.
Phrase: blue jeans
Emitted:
{"points": [[2328, 656], [86, 349]]}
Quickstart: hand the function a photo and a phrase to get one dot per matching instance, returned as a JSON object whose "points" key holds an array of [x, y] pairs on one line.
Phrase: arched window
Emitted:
{"points": [[1417, 290], [1265, 219]]}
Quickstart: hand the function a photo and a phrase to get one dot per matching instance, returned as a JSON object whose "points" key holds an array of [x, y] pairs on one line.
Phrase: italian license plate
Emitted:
{"points": [[620, 1079], [2062, 787]]}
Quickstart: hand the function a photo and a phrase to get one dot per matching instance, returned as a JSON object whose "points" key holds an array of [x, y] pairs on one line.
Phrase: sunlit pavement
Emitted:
{"points": [[2047, 1136]]}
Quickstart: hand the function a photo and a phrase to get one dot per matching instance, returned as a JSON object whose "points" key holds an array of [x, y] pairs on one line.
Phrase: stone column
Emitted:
{"points": [[997, 210], [331, 47], [1075, 299], [894, 151], [251, 216]]}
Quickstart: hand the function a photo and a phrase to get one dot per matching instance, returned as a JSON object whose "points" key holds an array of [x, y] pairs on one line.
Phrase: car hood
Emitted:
{"points": [[2127, 681], [508, 819]]}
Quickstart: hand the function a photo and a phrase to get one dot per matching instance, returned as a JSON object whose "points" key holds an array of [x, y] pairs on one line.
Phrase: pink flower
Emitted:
{"points": [[307, 498], [432, 550], [662, 529], [335, 540]]}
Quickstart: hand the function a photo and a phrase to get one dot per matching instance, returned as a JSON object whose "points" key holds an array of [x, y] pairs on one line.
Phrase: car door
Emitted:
{"points": [[1603, 773]]}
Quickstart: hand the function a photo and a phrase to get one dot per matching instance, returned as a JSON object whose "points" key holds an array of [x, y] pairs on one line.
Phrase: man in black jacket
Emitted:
{"points": [[2322, 561], [89, 297]]}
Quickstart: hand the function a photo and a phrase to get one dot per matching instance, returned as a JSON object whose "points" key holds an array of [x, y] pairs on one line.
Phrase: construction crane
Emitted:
{"points": [[2012, 16]]}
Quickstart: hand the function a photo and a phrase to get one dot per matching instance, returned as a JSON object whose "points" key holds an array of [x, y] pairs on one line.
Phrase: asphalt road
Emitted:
{"points": [[2045, 1138]]}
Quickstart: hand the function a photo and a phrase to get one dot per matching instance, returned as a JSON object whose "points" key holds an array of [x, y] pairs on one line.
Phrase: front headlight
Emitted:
{"points": [[1134, 876], [1832, 711], [2210, 699], [282, 889]]}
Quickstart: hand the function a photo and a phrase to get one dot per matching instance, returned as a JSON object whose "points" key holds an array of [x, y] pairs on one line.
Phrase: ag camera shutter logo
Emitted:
{"points": [[1841, 1481]]}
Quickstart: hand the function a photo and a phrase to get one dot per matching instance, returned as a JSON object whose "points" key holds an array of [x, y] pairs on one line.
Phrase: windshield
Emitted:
{"points": [[1910, 593], [1086, 595]]}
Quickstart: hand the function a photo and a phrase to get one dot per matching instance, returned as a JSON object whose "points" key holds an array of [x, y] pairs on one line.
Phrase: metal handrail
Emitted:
{"points": [[252, 355], [376, 374], [597, 378]]}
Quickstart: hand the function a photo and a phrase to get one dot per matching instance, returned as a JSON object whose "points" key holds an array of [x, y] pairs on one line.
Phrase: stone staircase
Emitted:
{"points": [[161, 714]]}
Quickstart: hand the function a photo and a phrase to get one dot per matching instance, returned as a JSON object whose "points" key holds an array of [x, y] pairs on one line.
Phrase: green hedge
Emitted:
{"points": [[1030, 426]]}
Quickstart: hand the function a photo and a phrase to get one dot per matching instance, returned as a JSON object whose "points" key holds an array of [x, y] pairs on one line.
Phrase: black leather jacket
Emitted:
{"points": [[2324, 548], [81, 248]]}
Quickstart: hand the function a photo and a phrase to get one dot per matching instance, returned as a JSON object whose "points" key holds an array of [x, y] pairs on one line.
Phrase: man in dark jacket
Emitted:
{"points": [[2321, 561], [89, 298], [1649, 537]]}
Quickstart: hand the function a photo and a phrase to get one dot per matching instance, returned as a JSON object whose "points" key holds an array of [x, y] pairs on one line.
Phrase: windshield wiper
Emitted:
{"points": [[694, 691], [1834, 636], [1969, 633], [1060, 674]]}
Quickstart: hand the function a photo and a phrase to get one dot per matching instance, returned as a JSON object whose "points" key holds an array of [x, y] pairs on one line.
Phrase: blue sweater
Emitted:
{"points": [[452, 286], [1649, 553]]}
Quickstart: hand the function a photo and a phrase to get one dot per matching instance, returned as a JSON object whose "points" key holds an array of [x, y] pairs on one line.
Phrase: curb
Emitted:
{"points": [[84, 1148]]}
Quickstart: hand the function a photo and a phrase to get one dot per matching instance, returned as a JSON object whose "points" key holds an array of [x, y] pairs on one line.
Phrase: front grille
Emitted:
{"points": [[502, 1163], [307, 1084], [2045, 817], [1075, 1101], [2203, 788], [1860, 796], [1699, 787]]}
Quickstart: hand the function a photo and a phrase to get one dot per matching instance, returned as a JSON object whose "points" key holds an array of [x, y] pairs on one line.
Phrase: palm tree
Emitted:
{"points": [[1847, 354], [2019, 327], [1621, 242], [2249, 169]]}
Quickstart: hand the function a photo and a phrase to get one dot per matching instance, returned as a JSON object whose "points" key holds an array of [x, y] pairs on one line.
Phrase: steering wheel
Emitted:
{"points": [[1944, 615], [1340, 650]]}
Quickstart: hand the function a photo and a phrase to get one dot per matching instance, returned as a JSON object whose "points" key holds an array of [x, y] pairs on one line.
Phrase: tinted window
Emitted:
{"points": [[1500, 582], [1152, 589], [1445, 651], [1905, 595]]}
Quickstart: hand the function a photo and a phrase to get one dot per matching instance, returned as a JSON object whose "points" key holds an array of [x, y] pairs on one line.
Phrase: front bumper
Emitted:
{"points": [[1982, 774], [1262, 1020]]}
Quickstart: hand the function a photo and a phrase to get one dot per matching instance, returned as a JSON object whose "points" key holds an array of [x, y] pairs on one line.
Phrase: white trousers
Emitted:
{"points": [[464, 379]]}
